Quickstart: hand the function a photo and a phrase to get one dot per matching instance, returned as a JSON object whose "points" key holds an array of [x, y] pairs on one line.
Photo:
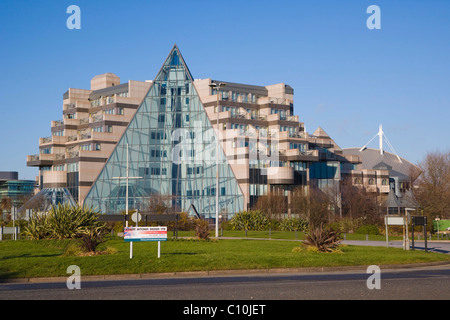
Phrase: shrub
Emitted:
{"points": [[325, 240], [73, 249], [63, 222], [292, 224], [368, 229], [202, 229], [250, 220], [91, 238], [347, 225]]}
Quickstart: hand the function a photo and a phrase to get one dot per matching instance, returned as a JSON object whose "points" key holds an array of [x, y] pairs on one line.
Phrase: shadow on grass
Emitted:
{"points": [[181, 253], [28, 255], [5, 275]]}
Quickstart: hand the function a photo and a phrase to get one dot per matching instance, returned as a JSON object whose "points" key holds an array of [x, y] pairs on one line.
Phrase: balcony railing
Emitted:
{"points": [[33, 157]]}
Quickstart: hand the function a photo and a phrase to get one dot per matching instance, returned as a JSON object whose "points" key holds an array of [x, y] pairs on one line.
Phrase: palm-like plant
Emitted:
{"points": [[325, 240], [63, 222]]}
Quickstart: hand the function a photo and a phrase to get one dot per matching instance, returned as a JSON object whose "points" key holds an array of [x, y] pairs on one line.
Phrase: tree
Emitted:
{"points": [[357, 203], [274, 203], [312, 204], [5, 205], [432, 188]]}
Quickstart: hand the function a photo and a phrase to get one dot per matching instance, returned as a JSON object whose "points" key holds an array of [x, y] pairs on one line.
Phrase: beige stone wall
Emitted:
{"points": [[104, 81]]}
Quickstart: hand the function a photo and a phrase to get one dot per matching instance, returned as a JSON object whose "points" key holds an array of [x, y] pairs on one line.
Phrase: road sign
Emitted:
{"points": [[145, 234], [419, 220], [394, 221], [136, 217]]}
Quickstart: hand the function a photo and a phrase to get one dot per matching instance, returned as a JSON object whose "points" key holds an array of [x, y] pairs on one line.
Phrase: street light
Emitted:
{"points": [[437, 226], [217, 86], [408, 217]]}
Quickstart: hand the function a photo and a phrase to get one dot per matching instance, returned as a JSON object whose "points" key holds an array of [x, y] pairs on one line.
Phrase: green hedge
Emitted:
{"points": [[368, 229]]}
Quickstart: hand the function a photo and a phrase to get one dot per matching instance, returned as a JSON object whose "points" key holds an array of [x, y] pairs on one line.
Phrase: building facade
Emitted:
{"points": [[80, 143], [157, 139], [13, 191]]}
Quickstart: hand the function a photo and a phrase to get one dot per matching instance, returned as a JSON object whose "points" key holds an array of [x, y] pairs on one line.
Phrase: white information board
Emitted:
{"points": [[394, 221], [145, 234]]}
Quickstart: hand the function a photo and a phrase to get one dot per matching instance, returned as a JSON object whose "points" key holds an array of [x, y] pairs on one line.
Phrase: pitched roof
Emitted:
{"points": [[373, 159], [320, 133]]}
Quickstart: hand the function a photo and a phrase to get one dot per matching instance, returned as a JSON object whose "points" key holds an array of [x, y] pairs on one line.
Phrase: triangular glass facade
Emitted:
{"points": [[171, 154]]}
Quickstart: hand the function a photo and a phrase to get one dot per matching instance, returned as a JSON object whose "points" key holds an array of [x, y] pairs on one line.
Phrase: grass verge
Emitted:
{"points": [[45, 258]]}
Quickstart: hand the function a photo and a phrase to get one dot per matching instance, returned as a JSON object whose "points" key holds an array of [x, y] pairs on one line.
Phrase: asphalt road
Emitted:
{"points": [[432, 246], [425, 283]]}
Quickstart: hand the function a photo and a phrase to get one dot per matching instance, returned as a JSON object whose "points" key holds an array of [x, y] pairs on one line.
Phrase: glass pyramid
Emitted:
{"points": [[171, 154]]}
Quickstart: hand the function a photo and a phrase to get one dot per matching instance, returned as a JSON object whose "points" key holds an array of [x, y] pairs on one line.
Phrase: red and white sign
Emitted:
{"points": [[145, 234]]}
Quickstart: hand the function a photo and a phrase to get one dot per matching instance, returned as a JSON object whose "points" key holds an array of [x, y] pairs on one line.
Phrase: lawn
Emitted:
{"points": [[26, 258]]}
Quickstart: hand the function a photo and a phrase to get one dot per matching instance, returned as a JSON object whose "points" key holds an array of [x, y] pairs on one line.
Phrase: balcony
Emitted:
{"points": [[280, 175], [43, 159], [270, 100], [298, 155], [53, 140], [52, 179]]}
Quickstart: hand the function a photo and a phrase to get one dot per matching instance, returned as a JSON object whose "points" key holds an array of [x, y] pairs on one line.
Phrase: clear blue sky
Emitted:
{"points": [[347, 79]]}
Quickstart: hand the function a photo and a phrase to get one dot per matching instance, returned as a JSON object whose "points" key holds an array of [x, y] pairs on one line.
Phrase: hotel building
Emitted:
{"points": [[158, 139]]}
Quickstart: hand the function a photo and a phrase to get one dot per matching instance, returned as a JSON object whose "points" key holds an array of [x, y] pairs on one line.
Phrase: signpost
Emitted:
{"points": [[132, 234], [419, 221], [393, 221]]}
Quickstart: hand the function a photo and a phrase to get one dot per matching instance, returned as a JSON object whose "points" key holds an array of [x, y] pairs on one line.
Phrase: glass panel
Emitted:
{"points": [[171, 154]]}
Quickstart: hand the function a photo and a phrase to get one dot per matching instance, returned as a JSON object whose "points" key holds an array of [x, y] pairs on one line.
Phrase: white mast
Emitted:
{"points": [[380, 138], [381, 135]]}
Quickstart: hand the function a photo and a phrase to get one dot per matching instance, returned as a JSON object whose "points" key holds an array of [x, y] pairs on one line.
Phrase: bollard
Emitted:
{"points": [[367, 237]]}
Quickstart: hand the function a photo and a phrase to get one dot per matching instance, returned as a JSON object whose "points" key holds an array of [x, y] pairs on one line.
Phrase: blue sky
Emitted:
{"points": [[346, 78]]}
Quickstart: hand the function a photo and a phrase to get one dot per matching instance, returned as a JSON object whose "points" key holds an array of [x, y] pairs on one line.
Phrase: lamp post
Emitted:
{"points": [[437, 226], [217, 86], [407, 219]]}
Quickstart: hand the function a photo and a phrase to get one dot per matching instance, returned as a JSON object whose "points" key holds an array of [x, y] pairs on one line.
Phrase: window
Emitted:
{"points": [[46, 151], [72, 167], [384, 182], [158, 153], [371, 181], [86, 147], [58, 133]]}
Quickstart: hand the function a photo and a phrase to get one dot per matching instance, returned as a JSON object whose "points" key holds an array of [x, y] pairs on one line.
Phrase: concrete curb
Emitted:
{"points": [[222, 273]]}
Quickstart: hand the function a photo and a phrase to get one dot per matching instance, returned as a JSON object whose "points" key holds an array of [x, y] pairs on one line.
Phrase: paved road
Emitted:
{"points": [[432, 246], [431, 282]]}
